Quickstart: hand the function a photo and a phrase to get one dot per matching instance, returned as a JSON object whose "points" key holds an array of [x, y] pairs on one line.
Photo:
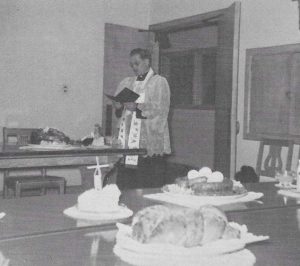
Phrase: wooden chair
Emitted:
{"points": [[273, 160], [13, 138]]}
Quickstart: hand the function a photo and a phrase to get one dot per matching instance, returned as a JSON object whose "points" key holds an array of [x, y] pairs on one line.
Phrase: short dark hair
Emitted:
{"points": [[143, 53]]}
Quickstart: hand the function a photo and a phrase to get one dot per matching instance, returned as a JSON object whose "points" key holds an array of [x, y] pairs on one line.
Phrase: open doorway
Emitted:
{"points": [[205, 128], [189, 61], [206, 107]]}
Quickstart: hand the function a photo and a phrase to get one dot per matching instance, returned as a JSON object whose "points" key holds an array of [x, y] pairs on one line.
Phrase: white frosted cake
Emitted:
{"points": [[105, 200]]}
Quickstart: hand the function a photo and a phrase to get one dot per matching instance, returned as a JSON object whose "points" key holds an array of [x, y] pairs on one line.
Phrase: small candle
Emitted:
{"points": [[98, 179], [98, 174]]}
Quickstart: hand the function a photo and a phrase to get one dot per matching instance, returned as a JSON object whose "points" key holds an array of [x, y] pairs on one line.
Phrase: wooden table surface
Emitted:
{"points": [[74, 247], [16, 153], [16, 158], [44, 214]]}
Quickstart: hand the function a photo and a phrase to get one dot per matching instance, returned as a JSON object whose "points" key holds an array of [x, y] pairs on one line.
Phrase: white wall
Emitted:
{"points": [[45, 45], [132, 13], [263, 23]]}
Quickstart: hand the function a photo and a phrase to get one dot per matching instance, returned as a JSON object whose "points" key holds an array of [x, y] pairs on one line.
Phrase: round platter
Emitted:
{"points": [[140, 259], [229, 197], [229, 252], [122, 213]]}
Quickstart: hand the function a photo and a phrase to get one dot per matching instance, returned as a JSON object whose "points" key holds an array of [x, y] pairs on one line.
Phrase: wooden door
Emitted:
{"points": [[294, 96], [119, 41], [226, 90]]}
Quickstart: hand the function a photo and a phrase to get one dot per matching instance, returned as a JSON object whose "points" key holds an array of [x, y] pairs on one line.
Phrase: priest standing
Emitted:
{"points": [[144, 124]]}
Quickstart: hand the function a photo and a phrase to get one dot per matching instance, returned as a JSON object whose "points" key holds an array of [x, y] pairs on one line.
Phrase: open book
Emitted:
{"points": [[124, 96], [127, 96]]}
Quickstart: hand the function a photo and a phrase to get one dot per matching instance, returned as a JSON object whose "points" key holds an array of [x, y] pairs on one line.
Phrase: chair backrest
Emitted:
{"points": [[13, 137], [273, 159]]}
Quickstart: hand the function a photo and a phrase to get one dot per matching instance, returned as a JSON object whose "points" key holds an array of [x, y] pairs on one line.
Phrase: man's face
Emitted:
{"points": [[139, 66]]}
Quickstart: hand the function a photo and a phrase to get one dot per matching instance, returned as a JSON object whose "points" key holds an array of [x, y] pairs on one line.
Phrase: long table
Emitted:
{"points": [[13, 159], [44, 214], [17, 158], [75, 247], [35, 231]]}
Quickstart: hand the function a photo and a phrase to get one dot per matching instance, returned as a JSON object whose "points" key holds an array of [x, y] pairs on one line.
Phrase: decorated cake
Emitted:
{"points": [[104, 200], [205, 182]]}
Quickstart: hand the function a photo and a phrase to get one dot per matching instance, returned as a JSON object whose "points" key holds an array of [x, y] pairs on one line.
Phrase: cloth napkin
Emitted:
{"points": [[193, 201], [289, 193]]}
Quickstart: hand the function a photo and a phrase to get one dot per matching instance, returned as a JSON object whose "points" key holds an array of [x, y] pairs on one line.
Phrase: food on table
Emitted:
{"points": [[205, 171], [213, 188], [216, 177], [285, 178], [181, 226], [206, 183], [193, 174], [202, 179], [48, 136], [98, 141], [96, 138], [178, 189], [86, 141], [105, 200], [231, 232], [215, 222]]}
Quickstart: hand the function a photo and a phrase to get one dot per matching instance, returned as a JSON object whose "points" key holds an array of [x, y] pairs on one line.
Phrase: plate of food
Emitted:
{"points": [[286, 179], [179, 236], [206, 183], [204, 187], [99, 205]]}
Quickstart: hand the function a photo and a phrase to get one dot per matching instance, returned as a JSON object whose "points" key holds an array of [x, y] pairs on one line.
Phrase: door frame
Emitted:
{"points": [[205, 20], [235, 80]]}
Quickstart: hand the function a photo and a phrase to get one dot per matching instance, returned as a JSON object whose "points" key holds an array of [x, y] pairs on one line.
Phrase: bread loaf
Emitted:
{"points": [[181, 226]]}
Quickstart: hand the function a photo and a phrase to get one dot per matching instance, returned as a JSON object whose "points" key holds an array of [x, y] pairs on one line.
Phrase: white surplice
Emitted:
{"points": [[154, 102]]}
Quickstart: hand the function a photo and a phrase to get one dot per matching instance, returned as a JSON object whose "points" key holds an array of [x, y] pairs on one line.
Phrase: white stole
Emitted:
{"points": [[135, 126]]}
